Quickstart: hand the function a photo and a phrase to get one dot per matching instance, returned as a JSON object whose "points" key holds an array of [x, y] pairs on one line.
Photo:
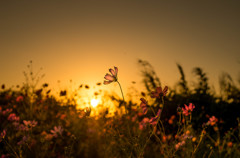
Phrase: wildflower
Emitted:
{"points": [[30, 123], [159, 92], [2, 135], [134, 118], [179, 144], [153, 120], [19, 98], [212, 121], [143, 123], [56, 131], [230, 144], [24, 140], [13, 117], [6, 111], [111, 78], [143, 105], [62, 117], [188, 109], [194, 139]]}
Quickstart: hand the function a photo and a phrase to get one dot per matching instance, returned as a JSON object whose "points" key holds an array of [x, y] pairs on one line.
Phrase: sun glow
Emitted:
{"points": [[94, 102]]}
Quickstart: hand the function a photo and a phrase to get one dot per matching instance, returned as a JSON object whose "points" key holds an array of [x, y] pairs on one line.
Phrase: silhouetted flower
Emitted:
{"points": [[111, 78], [159, 92], [188, 109]]}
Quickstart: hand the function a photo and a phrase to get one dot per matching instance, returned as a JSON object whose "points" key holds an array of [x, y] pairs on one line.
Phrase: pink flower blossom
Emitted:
{"points": [[159, 92], [57, 130], [6, 111], [19, 98], [13, 117], [153, 120], [111, 78], [143, 105], [143, 123], [188, 109], [30, 123], [212, 121]]}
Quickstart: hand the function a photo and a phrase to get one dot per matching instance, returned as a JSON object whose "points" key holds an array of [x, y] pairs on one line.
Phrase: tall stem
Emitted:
{"points": [[121, 90]]}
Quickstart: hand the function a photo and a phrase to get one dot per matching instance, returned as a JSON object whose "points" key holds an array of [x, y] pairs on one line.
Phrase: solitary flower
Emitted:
{"points": [[153, 120], [143, 105], [159, 92], [188, 109], [111, 78]]}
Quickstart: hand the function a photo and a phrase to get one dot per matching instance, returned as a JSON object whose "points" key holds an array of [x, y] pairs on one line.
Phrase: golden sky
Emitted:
{"points": [[81, 40]]}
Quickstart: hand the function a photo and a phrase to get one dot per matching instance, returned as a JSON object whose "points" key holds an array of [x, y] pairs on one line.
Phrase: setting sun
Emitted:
{"points": [[94, 102]]}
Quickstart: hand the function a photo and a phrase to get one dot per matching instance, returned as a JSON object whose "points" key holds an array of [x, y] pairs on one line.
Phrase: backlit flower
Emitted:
{"points": [[111, 78], [159, 92], [188, 109]]}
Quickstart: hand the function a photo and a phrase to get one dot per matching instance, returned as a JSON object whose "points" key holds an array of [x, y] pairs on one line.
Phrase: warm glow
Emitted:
{"points": [[94, 102]]}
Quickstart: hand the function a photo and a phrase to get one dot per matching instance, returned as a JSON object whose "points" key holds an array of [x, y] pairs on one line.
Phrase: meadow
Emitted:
{"points": [[167, 122]]}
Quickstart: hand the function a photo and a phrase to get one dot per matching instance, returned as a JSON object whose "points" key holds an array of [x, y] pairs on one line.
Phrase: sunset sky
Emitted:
{"points": [[81, 40]]}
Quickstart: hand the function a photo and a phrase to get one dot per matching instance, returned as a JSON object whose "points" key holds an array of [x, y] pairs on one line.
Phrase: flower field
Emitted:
{"points": [[167, 122]]}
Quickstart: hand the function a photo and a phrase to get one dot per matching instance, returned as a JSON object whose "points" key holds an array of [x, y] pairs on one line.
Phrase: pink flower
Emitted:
{"points": [[56, 131], [188, 109], [153, 120], [30, 123], [19, 98], [6, 111], [212, 121], [159, 92], [143, 123], [13, 117], [2, 135], [24, 140], [143, 105], [111, 78]]}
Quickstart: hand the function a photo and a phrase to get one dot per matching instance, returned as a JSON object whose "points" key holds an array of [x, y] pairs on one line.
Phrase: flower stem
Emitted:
{"points": [[121, 90]]}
